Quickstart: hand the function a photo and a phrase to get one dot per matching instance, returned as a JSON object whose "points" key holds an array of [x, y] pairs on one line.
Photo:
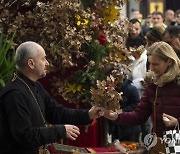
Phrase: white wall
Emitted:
{"points": [[124, 11]]}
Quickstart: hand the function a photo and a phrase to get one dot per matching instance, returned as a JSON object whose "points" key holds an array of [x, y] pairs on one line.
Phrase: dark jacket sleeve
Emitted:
{"points": [[56, 113], [21, 127], [139, 115], [132, 98]]}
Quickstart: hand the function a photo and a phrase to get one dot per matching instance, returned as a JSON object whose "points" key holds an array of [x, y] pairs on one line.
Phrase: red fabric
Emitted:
{"points": [[92, 138], [51, 149], [98, 149], [86, 139]]}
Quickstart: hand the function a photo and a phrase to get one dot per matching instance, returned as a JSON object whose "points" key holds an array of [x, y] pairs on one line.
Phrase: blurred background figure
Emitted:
{"points": [[172, 37], [177, 18], [137, 15], [148, 20], [130, 101], [146, 24], [169, 17], [157, 18], [135, 28], [154, 34], [135, 31], [138, 71], [138, 67]]}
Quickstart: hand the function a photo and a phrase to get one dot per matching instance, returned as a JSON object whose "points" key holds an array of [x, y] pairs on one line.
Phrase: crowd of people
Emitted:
{"points": [[150, 92], [154, 74]]}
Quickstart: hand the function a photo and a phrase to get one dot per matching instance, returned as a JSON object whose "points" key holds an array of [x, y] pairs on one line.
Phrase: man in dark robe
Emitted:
{"points": [[26, 108]]}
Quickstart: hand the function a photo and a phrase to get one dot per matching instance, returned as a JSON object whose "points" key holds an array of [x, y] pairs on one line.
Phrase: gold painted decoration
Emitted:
{"points": [[81, 21], [73, 88], [105, 94], [111, 13]]}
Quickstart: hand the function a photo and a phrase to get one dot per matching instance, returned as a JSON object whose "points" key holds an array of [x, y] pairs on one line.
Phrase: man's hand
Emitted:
{"points": [[95, 112], [72, 132], [172, 121]]}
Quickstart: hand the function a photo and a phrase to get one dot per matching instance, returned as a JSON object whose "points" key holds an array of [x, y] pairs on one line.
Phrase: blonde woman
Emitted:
{"points": [[161, 97]]}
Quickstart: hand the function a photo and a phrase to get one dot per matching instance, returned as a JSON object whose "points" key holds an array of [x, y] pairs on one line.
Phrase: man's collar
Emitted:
{"points": [[25, 78]]}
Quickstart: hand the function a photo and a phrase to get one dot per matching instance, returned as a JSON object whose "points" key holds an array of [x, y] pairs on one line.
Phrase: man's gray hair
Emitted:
{"points": [[24, 52]]}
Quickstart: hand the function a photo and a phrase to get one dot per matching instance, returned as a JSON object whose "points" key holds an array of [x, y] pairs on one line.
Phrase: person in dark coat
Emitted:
{"points": [[161, 96], [26, 108], [130, 99], [172, 37]]}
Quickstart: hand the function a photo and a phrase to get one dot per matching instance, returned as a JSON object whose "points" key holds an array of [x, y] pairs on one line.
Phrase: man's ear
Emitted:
{"points": [[31, 63]]}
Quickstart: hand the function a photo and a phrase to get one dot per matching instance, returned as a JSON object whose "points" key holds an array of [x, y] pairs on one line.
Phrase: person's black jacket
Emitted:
{"points": [[130, 101], [22, 129]]}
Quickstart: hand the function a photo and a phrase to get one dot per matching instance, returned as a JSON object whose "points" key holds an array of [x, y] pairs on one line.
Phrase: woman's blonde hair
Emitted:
{"points": [[165, 52]]}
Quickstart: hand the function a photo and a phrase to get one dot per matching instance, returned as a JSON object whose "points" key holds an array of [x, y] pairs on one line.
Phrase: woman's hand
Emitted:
{"points": [[169, 121], [109, 114]]}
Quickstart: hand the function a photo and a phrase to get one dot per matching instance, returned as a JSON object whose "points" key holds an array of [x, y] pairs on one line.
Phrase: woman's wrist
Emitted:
{"points": [[116, 115]]}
